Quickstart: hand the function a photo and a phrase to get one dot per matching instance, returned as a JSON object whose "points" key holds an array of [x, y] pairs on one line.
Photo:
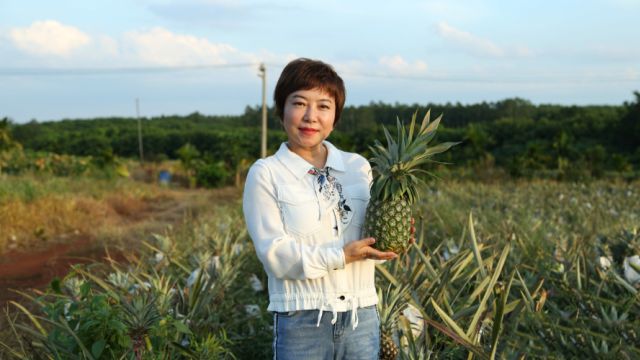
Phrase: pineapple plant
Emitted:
{"points": [[391, 304], [396, 170]]}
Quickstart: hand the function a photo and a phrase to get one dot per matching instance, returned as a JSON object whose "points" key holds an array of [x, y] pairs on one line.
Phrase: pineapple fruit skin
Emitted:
{"points": [[388, 349], [389, 222]]}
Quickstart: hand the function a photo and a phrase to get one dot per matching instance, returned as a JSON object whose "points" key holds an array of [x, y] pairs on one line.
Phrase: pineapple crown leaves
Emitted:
{"points": [[396, 166], [391, 304]]}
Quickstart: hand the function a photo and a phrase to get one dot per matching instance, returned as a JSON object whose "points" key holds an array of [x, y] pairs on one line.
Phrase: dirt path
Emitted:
{"points": [[21, 270]]}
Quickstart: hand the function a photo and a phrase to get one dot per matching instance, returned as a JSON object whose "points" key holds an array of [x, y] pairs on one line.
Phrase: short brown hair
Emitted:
{"points": [[305, 74]]}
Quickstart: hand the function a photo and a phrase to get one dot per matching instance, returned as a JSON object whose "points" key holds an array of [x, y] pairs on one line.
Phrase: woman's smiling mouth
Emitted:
{"points": [[308, 131]]}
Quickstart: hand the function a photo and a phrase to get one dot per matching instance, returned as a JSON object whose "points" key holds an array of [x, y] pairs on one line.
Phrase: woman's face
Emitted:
{"points": [[308, 118]]}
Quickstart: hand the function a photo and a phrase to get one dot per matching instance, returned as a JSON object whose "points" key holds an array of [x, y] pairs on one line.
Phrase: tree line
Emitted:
{"points": [[512, 135]]}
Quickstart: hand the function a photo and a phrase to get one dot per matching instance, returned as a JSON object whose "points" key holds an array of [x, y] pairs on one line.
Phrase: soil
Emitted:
{"points": [[22, 270]]}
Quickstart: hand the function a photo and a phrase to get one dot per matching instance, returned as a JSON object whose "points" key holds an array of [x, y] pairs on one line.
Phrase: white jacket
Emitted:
{"points": [[298, 237]]}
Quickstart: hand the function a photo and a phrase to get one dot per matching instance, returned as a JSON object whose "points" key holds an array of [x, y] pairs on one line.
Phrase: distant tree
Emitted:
{"points": [[512, 133], [477, 141], [629, 128], [515, 108], [6, 141], [190, 159], [595, 157], [188, 155]]}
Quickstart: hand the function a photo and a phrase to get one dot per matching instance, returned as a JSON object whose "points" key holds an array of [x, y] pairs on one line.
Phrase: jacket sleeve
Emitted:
{"points": [[280, 253]]}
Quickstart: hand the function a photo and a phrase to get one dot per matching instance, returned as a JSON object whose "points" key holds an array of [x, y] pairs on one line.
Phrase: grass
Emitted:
{"points": [[31, 187], [541, 210], [36, 211]]}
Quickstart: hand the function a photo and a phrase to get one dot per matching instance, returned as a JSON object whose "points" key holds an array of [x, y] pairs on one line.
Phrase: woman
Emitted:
{"points": [[304, 208]]}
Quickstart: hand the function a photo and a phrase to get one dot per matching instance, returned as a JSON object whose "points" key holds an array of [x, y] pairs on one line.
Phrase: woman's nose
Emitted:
{"points": [[309, 114]]}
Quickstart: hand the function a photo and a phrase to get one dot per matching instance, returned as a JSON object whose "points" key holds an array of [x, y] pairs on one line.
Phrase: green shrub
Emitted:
{"points": [[212, 174]]}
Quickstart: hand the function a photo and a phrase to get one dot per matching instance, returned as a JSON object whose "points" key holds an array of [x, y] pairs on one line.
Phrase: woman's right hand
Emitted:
{"points": [[362, 250]]}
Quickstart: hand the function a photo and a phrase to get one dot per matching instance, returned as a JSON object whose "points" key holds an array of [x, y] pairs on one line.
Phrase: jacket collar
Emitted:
{"points": [[299, 166]]}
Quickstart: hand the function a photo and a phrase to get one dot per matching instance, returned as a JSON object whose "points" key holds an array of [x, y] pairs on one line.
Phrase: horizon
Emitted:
{"points": [[271, 107]]}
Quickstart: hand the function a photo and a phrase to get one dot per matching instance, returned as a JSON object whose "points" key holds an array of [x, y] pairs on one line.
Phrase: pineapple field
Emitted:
{"points": [[516, 269]]}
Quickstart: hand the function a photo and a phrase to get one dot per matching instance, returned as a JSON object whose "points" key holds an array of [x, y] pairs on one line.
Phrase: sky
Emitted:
{"points": [[94, 58]]}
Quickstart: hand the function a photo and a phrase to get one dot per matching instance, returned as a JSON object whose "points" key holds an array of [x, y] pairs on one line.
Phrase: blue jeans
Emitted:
{"points": [[296, 335]]}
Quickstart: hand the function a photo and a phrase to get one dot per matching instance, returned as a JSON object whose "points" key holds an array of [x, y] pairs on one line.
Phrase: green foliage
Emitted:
{"points": [[212, 174], [628, 132], [18, 162], [6, 140], [538, 270], [206, 171], [540, 273], [187, 154], [95, 320], [188, 297]]}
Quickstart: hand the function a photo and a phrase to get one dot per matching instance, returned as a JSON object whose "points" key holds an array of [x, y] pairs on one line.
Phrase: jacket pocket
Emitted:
{"points": [[300, 211], [359, 195]]}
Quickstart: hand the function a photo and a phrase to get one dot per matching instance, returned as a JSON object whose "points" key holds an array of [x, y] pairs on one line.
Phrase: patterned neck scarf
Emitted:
{"points": [[331, 190]]}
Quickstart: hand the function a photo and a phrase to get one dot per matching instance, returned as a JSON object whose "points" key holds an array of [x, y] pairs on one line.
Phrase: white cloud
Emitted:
{"points": [[107, 46], [398, 65], [49, 37], [479, 46], [468, 41], [50, 42], [388, 66], [162, 47]]}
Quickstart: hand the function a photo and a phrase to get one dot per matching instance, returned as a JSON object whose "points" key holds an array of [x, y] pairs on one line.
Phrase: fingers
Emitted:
{"points": [[358, 250], [368, 252], [368, 241], [374, 254], [362, 250]]}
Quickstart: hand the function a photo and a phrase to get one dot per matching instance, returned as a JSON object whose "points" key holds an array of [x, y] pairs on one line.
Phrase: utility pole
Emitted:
{"points": [[139, 131], [263, 75]]}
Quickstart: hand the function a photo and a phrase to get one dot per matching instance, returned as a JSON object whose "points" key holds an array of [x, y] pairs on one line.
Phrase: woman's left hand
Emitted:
{"points": [[362, 250]]}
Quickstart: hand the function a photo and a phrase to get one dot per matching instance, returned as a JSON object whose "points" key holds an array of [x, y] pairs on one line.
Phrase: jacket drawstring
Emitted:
{"points": [[333, 310], [320, 315], [354, 314]]}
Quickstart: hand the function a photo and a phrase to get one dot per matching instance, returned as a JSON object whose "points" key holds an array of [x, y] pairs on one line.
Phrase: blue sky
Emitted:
{"points": [[81, 59]]}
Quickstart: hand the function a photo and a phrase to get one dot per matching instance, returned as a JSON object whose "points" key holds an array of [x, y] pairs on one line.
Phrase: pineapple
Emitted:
{"points": [[391, 304], [395, 182], [388, 348]]}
